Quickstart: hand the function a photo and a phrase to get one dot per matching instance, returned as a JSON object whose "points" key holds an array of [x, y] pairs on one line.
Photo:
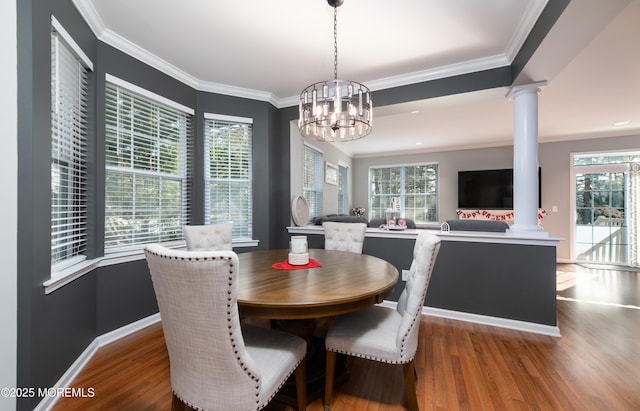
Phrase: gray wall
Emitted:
{"points": [[554, 159], [449, 163], [510, 281], [331, 154], [262, 115], [53, 330]]}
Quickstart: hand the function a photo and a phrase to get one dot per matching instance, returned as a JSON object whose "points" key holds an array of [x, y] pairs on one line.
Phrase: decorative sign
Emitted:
{"points": [[492, 215]]}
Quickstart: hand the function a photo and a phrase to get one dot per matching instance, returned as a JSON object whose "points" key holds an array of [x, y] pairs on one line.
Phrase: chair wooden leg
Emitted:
{"points": [[301, 385], [409, 371], [178, 405], [328, 382]]}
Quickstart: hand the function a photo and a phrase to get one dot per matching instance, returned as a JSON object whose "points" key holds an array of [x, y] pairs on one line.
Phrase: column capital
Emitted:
{"points": [[525, 89]]}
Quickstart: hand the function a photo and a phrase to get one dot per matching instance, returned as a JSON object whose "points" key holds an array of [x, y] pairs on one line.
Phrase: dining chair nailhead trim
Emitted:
{"points": [[403, 360], [371, 357], [243, 366]]}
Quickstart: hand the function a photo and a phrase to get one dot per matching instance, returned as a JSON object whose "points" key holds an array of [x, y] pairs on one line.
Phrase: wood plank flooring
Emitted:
{"points": [[595, 365]]}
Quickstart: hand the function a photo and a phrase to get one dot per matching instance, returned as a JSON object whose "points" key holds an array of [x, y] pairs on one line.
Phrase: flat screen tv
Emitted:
{"points": [[488, 189]]}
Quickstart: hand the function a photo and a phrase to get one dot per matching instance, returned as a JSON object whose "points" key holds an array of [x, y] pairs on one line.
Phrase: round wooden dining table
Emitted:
{"points": [[343, 283], [294, 299]]}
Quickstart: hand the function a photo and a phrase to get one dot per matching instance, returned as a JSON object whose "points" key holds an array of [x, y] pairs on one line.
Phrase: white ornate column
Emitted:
{"points": [[525, 160]]}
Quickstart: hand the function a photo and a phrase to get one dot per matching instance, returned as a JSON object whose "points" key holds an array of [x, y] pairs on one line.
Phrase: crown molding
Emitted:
{"points": [[91, 16], [156, 62], [472, 66], [531, 15], [169, 69], [141, 54], [239, 92]]}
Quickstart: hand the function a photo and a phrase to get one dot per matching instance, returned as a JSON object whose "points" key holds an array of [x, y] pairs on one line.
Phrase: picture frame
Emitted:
{"points": [[330, 173]]}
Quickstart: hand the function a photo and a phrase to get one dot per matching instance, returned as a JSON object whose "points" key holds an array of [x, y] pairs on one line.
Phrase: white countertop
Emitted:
{"points": [[467, 236]]}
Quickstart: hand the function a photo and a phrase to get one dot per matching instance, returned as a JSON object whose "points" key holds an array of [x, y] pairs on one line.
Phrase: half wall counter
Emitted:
{"points": [[484, 277]]}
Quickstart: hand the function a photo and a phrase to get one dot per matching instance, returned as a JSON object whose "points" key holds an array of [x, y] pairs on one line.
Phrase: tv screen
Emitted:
{"points": [[488, 189]]}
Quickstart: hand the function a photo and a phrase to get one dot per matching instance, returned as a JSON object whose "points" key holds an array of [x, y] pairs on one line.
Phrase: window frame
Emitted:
{"points": [[343, 188], [69, 139], [243, 230], [158, 105], [403, 191], [315, 173]]}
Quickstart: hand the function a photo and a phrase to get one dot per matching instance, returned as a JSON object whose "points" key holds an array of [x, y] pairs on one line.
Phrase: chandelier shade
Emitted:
{"points": [[335, 110]]}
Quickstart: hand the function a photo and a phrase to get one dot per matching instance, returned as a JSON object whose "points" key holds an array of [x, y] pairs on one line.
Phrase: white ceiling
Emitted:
{"points": [[272, 50]]}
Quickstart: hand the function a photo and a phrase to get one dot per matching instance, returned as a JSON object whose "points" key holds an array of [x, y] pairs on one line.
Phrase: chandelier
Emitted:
{"points": [[335, 110]]}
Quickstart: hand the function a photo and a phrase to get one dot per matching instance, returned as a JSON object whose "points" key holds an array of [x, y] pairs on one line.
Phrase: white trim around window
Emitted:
{"points": [[69, 70], [228, 173], [71, 43], [414, 204], [146, 167], [148, 94], [230, 119], [313, 180]]}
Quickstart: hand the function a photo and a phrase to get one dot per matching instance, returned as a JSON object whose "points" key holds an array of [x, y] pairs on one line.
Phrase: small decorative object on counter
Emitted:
{"points": [[298, 254], [444, 227]]}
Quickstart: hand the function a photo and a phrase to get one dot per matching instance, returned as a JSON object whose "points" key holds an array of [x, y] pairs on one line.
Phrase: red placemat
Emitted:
{"points": [[284, 265]]}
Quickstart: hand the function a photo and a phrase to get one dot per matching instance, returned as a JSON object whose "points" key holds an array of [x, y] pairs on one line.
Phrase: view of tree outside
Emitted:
{"points": [[600, 195], [68, 154], [229, 176], [343, 190], [601, 215], [313, 181], [415, 185], [146, 171]]}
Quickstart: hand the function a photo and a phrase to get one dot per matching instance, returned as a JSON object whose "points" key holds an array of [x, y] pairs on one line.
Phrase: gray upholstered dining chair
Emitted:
{"points": [[385, 334], [344, 236], [210, 237], [217, 363]]}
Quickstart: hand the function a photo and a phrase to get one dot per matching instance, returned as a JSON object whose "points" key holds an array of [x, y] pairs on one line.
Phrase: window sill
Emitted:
{"points": [[63, 277]]}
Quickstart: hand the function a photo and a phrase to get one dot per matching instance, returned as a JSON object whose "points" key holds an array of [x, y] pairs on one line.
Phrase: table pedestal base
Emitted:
{"points": [[316, 367], [313, 332]]}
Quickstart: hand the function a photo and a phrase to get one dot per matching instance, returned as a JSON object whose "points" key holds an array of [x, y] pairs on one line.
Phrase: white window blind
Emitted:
{"points": [[146, 161], [415, 185], [229, 173], [343, 190], [68, 151], [312, 181]]}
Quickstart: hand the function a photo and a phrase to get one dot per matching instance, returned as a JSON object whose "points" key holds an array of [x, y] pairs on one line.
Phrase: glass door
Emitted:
{"points": [[601, 233]]}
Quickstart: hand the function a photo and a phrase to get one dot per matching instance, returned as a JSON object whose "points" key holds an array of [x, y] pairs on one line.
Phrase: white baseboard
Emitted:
{"points": [[116, 334], [536, 328], [48, 402], [67, 378]]}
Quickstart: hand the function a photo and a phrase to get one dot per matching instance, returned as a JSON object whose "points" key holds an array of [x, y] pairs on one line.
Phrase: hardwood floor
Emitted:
{"points": [[595, 365]]}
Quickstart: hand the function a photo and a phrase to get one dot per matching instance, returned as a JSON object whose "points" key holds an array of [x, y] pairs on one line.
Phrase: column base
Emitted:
{"points": [[526, 231]]}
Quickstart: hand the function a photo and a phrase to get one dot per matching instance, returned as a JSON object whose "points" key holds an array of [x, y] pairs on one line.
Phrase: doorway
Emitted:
{"points": [[601, 230], [606, 203]]}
